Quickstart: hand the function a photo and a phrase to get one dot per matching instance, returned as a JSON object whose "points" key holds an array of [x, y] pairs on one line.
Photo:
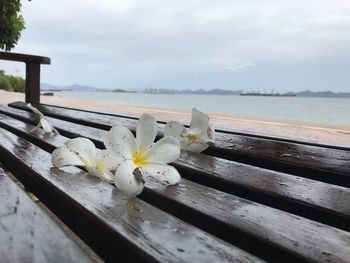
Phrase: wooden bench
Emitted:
{"points": [[24, 229], [249, 198]]}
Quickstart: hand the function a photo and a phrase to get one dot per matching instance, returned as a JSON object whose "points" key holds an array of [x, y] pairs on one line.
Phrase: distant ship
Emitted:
{"points": [[271, 94]]}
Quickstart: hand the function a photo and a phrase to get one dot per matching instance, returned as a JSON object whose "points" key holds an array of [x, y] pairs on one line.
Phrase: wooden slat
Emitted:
{"points": [[118, 228], [305, 197], [24, 58], [27, 234], [324, 164], [32, 82], [245, 221], [226, 131], [32, 87]]}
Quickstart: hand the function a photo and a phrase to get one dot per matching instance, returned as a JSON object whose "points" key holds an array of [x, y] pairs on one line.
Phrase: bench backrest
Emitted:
{"points": [[32, 88]]}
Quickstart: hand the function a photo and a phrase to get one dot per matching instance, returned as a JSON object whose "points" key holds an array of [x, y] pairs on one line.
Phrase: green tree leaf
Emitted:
{"points": [[11, 23], [11, 83]]}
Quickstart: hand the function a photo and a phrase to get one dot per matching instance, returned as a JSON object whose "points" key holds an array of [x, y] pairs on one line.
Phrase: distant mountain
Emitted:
{"points": [[188, 91], [324, 94], [212, 91], [76, 87], [45, 86]]}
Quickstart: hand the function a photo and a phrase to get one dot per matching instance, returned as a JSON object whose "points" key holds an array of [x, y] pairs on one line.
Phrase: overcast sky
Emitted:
{"points": [[229, 44]]}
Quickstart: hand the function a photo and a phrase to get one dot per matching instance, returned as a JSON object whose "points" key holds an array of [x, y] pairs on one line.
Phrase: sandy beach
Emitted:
{"points": [[321, 133]]}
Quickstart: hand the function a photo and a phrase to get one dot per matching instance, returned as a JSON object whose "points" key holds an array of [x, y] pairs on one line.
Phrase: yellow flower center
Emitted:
{"points": [[101, 166], [190, 136], [139, 158]]}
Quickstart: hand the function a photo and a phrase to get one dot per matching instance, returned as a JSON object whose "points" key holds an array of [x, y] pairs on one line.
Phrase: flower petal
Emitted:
{"points": [[199, 121], [175, 129], [165, 173], [36, 127], [197, 147], [129, 178], [35, 110], [47, 127], [103, 175], [146, 132], [107, 176], [165, 150], [121, 142], [85, 149], [55, 131], [109, 160], [201, 126], [64, 157], [211, 131], [207, 135]]}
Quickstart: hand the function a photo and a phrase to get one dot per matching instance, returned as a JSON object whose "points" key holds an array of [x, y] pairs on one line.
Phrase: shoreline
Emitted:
{"points": [[311, 132]]}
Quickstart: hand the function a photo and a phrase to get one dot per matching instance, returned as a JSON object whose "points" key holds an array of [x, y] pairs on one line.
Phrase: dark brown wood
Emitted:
{"points": [[32, 85], [320, 163], [27, 234], [225, 131], [32, 82], [118, 228], [323, 164], [271, 234], [24, 58], [308, 198], [247, 224]]}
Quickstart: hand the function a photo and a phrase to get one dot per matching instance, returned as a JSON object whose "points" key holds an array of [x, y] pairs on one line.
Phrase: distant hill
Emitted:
{"points": [[188, 91], [324, 94], [212, 91], [76, 87], [45, 86]]}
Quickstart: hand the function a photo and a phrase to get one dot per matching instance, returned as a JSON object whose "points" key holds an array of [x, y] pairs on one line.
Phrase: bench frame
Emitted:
{"points": [[32, 86]]}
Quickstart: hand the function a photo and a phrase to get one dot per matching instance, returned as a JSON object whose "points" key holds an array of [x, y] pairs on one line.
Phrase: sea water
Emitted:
{"points": [[306, 109]]}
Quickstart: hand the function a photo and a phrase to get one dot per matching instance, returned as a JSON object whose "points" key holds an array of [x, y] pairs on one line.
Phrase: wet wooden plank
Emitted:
{"points": [[250, 225], [315, 200], [226, 131], [329, 165], [324, 164], [27, 234], [116, 227]]}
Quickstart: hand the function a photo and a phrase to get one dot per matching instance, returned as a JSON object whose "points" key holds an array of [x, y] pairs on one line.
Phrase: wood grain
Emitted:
{"points": [[24, 58], [226, 131], [247, 224], [312, 199], [27, 234], [116, 227], [320, 163]]}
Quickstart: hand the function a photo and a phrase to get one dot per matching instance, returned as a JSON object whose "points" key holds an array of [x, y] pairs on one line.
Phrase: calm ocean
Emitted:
{"points": [[318, 110]]}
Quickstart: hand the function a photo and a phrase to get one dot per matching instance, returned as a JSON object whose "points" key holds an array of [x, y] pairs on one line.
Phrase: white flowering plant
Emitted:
{"points": [[82, 152], [128, 160], [131, 158], [198, 137]]}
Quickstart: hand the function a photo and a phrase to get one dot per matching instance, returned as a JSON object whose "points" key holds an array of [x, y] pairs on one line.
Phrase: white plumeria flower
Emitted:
{"points": [[47, 127], [198, 137], [82, 152], [140, 156]]}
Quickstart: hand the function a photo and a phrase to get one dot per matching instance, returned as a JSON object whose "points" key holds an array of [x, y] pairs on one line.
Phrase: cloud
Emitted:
{"points": [[239, 67], [131, 43]]}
